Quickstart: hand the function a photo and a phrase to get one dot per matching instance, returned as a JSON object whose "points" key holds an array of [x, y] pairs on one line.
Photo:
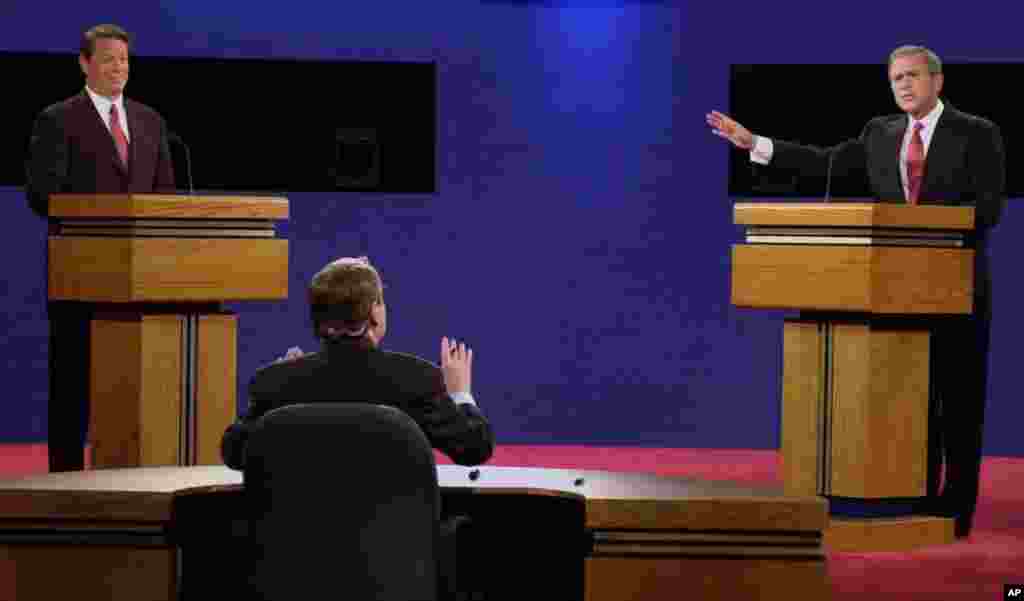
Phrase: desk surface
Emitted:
{"points": [[647, 537], [613, 499]]}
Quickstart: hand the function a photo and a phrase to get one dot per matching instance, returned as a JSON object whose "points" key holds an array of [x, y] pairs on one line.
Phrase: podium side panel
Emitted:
{"points": [[217, 375], [121, 270], [162, 389], [88, 269], [802, 393], [776, 276], [135, 385], [879, 412], [209, 269], [922, 280], [115, 390]]}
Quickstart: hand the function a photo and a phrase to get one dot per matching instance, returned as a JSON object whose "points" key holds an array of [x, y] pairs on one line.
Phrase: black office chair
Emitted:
{"points": [[344, 504]]}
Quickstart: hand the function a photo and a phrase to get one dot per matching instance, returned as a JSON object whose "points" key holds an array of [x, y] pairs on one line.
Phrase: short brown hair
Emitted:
{"points": [[934, 62], [344, 293], [106, 31]]}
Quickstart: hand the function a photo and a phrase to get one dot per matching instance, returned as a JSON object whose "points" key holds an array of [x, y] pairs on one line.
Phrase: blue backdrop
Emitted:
{"points": [[579, 239]]}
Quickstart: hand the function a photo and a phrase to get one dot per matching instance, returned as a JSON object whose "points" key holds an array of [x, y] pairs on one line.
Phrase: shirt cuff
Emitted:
{"points": [[762, 151], [462, 398]]}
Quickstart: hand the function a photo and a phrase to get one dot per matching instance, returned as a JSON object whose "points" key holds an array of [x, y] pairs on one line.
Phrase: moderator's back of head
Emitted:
{"points": [[343, 501]]}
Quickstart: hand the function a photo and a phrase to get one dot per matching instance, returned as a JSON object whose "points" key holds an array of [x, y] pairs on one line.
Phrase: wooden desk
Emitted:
{"points": [[129, 533]]}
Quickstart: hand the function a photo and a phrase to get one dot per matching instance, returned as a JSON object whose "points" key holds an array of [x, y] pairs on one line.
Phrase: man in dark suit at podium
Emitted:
{"points": [[94, 142], [350, 318], [930, 154]]}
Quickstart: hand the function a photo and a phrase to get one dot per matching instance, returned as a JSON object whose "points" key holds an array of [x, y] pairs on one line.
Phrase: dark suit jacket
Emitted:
{"points": [[72, 151], [346, 372], [965, 164]]}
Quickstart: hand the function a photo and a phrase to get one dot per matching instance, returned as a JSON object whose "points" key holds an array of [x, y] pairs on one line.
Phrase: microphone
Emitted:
{"points": [[173, 137], [828, 173], [847, 163]]}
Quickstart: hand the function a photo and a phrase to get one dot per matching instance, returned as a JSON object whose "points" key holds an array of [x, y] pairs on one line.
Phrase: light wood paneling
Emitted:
{"points": [[879, 411], [135, 386], [167, 206], [848, 214], [762, 546], [853, 278], [803, 382], [112, 573], [668, 578], [119, 270], [889, 534], [216, 382], [718, 513]]}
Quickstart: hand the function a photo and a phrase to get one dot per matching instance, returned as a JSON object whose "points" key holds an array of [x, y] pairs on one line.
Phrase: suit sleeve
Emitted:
{"points": [[47, 167], [234, 443], [844, 164], [987, 163], [459, 431], [164, 176]]}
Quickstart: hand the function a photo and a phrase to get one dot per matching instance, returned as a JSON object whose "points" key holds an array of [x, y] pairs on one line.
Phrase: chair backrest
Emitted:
{"points": [[344, 504]]}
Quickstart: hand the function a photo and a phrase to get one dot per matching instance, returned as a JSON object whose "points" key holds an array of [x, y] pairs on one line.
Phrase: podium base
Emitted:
{"points": [[862, 535]]}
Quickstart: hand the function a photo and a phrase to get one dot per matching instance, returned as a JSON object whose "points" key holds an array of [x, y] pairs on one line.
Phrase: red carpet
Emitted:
{"points": [[976, 568]]}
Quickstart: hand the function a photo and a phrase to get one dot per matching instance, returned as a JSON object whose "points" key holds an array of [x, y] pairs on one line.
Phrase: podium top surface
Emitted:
{"points": [[166, 206], [854, 214]]}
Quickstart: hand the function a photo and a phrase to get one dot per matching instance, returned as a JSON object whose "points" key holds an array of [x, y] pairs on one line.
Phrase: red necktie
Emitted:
{"points": [[915, 164], [120, 140]]}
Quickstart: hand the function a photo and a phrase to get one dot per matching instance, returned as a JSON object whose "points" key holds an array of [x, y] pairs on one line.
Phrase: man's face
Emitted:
{"points": [[915, 89], [106, 73]]}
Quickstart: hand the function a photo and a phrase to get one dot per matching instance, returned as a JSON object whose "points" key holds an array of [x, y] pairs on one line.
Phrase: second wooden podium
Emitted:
{"points": [[870, 281], [163, 352]]}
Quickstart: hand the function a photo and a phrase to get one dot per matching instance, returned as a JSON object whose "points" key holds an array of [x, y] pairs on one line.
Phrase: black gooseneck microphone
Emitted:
{"points": [[173, 137], [828, 172]]}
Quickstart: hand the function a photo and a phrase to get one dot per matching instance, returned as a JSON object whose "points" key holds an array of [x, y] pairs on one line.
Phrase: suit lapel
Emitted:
{"points": [[942, 151], [891, 146], [101, 132], [133, 131]]}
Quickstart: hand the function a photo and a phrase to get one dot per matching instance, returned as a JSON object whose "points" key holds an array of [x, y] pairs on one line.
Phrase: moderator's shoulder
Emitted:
{"points": [[411, 368], [280, 370], [408, 362]]}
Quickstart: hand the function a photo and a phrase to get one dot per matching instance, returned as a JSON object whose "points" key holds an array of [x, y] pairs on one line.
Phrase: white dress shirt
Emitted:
{"points": [[102, 104]]}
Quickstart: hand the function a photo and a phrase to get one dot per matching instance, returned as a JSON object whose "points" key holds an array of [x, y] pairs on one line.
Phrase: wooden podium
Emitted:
{"points": [[869, 280], [163, 352]]}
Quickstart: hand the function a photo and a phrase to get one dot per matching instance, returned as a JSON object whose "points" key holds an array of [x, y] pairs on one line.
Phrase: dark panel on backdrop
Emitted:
{"points": [[256, 124], [824, 105]]}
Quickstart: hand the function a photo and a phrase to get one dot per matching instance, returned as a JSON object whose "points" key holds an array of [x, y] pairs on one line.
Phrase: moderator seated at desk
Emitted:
{"points": [[152, 533]]}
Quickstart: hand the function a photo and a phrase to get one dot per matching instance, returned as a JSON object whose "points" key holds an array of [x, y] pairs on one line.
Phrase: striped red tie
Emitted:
{"points": [[915, 164], [120, 140]]}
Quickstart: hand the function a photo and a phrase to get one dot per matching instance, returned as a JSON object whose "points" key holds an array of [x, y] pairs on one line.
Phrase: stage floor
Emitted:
{"points": [[975, 568]]}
